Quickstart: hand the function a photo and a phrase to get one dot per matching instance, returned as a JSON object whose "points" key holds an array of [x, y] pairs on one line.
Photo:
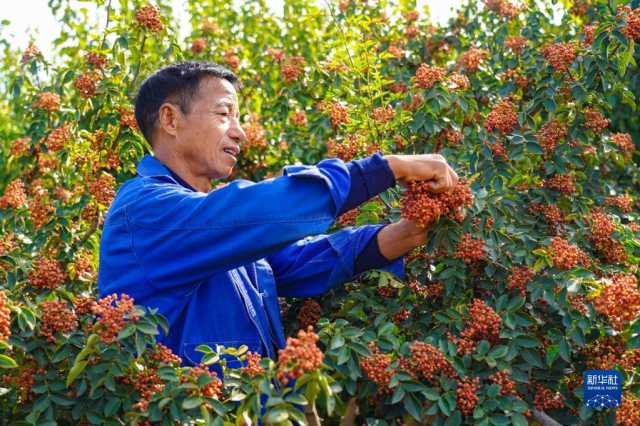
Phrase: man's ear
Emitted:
{"points": [[168, 116]]}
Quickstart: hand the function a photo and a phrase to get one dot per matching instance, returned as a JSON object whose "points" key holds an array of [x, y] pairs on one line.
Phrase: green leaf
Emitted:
{"points": [[519, 420], [147, 328], [7, 362], [191, 402], [74, 372], [398, 395], [412, 406], [499, 351], [336, 341], [455, 419], [276, 416]]}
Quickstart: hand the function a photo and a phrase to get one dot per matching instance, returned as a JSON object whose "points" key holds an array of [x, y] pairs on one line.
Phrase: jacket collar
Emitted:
{"points": [[150, 166]]}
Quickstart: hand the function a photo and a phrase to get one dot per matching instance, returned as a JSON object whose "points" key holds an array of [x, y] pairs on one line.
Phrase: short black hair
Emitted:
{"points": [[178, 83]]}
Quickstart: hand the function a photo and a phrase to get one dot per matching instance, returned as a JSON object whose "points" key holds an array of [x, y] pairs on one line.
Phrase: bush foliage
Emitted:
{"points": [[528, 279]]}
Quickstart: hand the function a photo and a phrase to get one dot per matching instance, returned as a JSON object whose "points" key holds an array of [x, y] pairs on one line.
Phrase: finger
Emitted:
{"points": [[438, 185], [456, 179]]}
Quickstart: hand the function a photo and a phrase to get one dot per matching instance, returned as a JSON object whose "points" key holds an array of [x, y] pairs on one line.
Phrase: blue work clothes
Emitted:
{"points": [[215, 263]]}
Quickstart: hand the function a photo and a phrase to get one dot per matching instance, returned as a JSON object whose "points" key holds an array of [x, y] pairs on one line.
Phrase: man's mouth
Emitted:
{"points": [[232, 151]]}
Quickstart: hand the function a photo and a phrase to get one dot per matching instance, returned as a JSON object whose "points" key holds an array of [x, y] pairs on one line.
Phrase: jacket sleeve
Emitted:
{"points": [[312, 266], [180, 236]]}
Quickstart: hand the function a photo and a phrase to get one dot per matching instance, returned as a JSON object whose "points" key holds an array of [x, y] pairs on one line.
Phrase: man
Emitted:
{"points": [[215, 261]]}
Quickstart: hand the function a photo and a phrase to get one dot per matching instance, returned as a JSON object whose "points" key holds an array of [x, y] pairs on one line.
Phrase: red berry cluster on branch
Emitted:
{"points": [[483, 323], [594, 120], [232, 59], [401, 316], [299, 118], [5, 317], [427, 362], [127, 118], [256, 135], [549, 136], [545, 399], [427, 76], [516, 43], [503, 117], [345, 150], [589, 33], [384, 114], [563, 183], [20, 147], [424, 207], [147, 383], [198, 45], [376, 367], [470, 249], [103, 188], [624, 142], [164, 355], [86, 84], [471, 59], [387, 292], [301, 355], [30, 52], [292, 68], [309, 314], [459, 81], [46, 273], [553, 216], [624, 203], [56, 140], [47, 101], [212, 389], [628, 413], [97, 60], [619, 301], [112, 318], [83, 304], [338, 114], [253, 368], [565, 255], [519, 277], [631, 19], [57, 318], [507, 385], [148, 17], [40, 207], [14, 195], [467, 395], [559, 55], [503, 8], [601, 229]]}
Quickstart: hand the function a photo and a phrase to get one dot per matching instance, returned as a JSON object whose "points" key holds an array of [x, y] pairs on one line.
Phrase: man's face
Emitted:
{"points": [[209, 136]]}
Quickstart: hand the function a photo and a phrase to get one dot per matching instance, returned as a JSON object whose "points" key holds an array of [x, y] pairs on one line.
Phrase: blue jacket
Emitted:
{"points": [[215, 263]]}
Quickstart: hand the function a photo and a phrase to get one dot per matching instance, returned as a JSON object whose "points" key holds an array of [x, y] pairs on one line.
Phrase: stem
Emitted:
{"points": [[104, 36], [137, 71], [543, 418]]}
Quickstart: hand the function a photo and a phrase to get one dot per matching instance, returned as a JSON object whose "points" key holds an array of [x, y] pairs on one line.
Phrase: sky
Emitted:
{"points": [[33, 18]]}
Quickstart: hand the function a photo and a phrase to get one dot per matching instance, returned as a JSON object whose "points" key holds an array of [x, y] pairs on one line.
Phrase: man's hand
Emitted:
{"points": [[400, 237], [432, 168]]}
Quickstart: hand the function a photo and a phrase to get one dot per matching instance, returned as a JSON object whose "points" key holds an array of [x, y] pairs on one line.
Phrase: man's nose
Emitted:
{"points": [[236, 132]]}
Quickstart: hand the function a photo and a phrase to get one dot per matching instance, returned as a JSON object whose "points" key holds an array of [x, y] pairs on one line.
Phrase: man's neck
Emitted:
{"points": [[181, 167]]}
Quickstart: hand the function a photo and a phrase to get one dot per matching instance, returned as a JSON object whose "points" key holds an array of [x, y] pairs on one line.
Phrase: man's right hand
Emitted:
{"points": [[432, 168]]}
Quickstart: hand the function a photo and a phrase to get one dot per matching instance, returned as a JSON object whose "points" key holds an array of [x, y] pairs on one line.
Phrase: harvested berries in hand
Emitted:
{"points": [[423, 207]]}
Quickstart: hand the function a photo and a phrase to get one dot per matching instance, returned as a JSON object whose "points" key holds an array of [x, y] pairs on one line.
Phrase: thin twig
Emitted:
{"points": [[104, 36]]}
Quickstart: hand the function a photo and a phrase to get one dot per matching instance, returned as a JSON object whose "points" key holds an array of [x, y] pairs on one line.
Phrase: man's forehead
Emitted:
{"points": [[219, 88]]}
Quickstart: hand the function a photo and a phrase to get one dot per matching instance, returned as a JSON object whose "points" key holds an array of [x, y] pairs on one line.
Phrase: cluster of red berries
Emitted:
{"points": [[46, 162], [5, 317], [97, 60], [428, 362], [507, 385], [397, 87], [292, 68], [631, 18], [83, 304], [25, 380], [396, 51], [127, 118], [545, 399], [594, 120], [198, 45], [619, 301], [57, 138], [609, 351], [7, 243], [147, 383], [624, 142], [550, 134], [453, 137], [275, 54], [387, 292], [424, 207], [232, 59], [503, 117], [563, 183], [411, 31], [57, 318], [427, 76], [376, 366], [299, 118], [459, 81], [338, 113], [256, 134], [309, 314], [14, 195], [467, 395], [40, 208], [483, 323], [516, 43], [103, 188], [601, 229], [20, 147], [30, 52], [519, 277], [112, 318], [624, 203], [589, 33], [503, 8], [113, 160], [301, 355], [498, 150], [565, 255], [401, 316], [46, 273], [471, 59], [347, 218], [210, 27], [148, 17], [383, 114], [470, 249], [47, 101], [253, 368], [212, 389], [553, 216], [628, 413], [86, 84], [164, 355], [559, 55], [345, 150]]}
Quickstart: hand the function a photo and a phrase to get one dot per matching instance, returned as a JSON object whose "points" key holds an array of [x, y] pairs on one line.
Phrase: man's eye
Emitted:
{"points": [[223, 113]]}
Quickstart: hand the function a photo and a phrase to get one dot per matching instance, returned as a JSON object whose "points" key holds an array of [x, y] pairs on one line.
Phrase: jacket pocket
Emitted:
{"points": [[194, 357]]}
